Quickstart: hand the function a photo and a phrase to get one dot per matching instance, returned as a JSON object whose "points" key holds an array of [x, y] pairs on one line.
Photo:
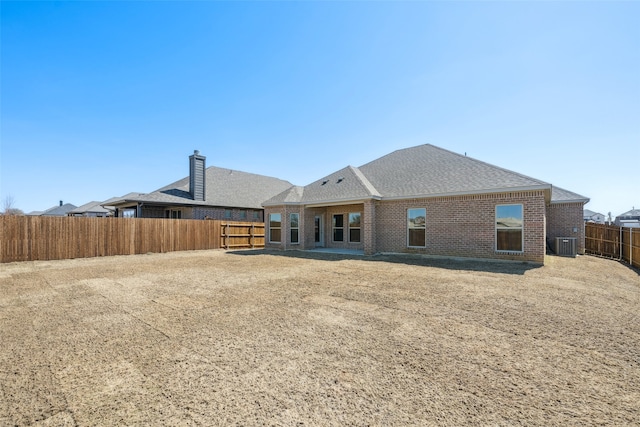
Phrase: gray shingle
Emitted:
{"points": [[422, 171], [224, 187], [560, 195], [427, 170]]}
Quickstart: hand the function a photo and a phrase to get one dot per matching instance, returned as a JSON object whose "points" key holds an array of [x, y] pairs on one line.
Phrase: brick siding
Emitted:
{"points": [[562, 220], [462, 226]]}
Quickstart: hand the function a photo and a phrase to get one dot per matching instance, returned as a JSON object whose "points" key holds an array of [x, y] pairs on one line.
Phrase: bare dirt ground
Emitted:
{"points": [[255, 338]]}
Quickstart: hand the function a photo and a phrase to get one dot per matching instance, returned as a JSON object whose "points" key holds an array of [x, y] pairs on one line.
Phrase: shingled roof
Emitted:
{"points": [[224, 187], [422, 171]]}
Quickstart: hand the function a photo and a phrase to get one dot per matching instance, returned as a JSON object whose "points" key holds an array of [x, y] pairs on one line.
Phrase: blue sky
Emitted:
{"points": [[99, 99]]}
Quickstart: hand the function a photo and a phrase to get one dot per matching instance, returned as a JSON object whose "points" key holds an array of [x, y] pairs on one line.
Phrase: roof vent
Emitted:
{"points": [[324, 182], [340, 179]]}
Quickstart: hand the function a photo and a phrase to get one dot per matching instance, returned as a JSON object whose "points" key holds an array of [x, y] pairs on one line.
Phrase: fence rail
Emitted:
{"points": [[26, 238], [622, 243]]}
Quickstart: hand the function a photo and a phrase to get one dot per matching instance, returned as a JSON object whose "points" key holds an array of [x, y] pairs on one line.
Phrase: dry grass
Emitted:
{"points": [[215, 338]]}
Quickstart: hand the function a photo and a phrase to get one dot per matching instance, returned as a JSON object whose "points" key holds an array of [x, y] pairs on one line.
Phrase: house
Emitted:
{"points": [[593, 217], [430, 201], [629, 219], [92, 209], [61, 210], [213, 192]]}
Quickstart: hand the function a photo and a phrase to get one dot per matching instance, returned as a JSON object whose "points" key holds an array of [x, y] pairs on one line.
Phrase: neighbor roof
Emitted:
{"points": [[224, 187], [94, 207], [422, 171], [58, 210]]}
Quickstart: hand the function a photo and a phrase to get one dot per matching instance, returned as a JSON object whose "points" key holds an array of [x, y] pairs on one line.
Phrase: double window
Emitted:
{"points": [[294, 227], [275, 227], [354, 230], [509, 228], [417, 227]]}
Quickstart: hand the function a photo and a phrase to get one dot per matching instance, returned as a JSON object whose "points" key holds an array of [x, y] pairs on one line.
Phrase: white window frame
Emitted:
{"points": [[409, 228], [349, 227], [271, 228], [173, 214], [334, 228], [497, 227], [291, 228]]}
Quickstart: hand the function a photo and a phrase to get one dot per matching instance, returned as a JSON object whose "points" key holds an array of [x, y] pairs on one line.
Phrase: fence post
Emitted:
{"points": [[631, 246]]}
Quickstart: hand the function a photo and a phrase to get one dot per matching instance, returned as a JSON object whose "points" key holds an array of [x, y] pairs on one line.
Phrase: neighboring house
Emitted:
{"points": [[213, 192], [426, 200], [61, 210], [593, 217], [92, 209], [629, 219]]}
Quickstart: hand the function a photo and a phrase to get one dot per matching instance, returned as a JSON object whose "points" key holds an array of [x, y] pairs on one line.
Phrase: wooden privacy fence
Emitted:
{"points": [[27, 238], [622, 243], [242, 235]]}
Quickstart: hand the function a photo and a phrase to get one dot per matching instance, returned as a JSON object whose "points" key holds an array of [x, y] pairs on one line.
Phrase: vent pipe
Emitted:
{"points": [[197, 176]]}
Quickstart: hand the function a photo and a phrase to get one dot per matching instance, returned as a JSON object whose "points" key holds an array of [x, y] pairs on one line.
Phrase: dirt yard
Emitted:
{"points": [[254, 338]]}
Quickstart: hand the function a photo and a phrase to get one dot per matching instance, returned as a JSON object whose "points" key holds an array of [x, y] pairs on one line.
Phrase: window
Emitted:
{"points": [[509, 226], [294, 227], [243, 214], [227, 214], [256, 215], [173, 214], [275, 227], [338, 228], [128, 213], [354, 227], [417, 227]]}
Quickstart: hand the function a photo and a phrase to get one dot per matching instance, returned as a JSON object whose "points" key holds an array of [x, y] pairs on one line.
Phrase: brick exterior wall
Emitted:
{"points": [[462, 226], [562, 220]]}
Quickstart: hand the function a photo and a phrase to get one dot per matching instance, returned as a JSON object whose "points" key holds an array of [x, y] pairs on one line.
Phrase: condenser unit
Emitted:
{"points": [[566, 246]]}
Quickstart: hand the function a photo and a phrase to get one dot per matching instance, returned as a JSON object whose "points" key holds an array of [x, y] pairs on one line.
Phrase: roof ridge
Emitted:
{"points": [[365, 181]]}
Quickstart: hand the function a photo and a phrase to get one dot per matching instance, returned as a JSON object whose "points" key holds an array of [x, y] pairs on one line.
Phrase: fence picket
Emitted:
{"points": [[26, 238], [612, 241]]}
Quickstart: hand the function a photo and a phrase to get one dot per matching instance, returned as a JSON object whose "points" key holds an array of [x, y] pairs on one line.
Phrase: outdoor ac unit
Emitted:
{"points": [[566, 246]]}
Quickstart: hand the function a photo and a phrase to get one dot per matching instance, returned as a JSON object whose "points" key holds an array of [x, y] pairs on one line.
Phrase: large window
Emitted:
{"points": [[338, 228], [173, 214], [417, 227], [509, 226], [275, 227], [294, 227], [354, 227]]}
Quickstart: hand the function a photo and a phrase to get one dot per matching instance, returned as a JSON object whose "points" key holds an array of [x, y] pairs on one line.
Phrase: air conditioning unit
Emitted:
{"points": [[566, 246]]}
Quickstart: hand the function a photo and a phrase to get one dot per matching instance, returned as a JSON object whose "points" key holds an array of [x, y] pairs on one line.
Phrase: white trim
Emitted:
{"points": [[349, 228], [425, 227], [275, 228], [294, 228], [495, 228]]}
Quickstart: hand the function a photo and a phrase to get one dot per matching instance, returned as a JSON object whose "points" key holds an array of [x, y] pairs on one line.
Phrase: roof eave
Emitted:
{"points": [[544, 187]]}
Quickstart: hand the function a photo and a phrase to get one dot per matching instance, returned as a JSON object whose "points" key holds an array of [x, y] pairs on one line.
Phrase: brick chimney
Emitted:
{"points": [[197, 176]]}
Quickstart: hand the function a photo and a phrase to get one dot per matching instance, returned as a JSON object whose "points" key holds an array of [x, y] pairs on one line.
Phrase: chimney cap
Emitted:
{"points": [[196, 152]]}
